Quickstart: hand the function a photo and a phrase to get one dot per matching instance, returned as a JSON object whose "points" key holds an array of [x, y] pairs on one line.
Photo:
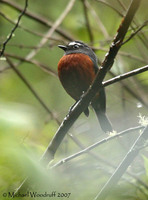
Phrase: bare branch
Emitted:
{"points": [[141, 36], [122, 53], [97, 20], [28, 30], [136, 32], [37, 18], [128, 159], [41, 65], [84, 2], [14, 28], [83, 103], [86, 150], [31, 89], [110, 6], [97, 84], [108, 163], [125, 75], [52, 29], [132, 92]]}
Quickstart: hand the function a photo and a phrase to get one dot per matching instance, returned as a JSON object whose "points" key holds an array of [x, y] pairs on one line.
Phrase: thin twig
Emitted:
{"points": [[83, 103], [14, 28], [131, 91], [37, 18], [31, 89], [120, 14], [74, 139], [128, 159], [35, 62], [28, 30], [108, 163], [122, 53], [98, 20], [135, 33], [86, 150], [97, 84], [52, 29], [110, 6], [105, 84], [142, 37], [125, 75], [87, 20]]}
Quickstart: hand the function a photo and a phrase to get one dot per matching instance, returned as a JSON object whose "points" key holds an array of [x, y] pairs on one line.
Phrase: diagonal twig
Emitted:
{"points": [[83, 103], [31, 89], [27, 29], [98, 20], [108, 163], [35, 62], [89, 148], [52, 29], [37, 18], [128, 159], [97, 84], [13, 30], [84, 2], [142, 37], [125, 75], [130, 91], [110, 6], [136, 32]]}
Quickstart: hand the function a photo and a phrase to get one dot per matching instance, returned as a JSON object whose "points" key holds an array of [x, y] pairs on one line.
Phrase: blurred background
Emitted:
{"points": [[26, 127]]}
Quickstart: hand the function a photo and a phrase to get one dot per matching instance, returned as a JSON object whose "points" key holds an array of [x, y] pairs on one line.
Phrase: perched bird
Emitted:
{"points": [[77, 70]]}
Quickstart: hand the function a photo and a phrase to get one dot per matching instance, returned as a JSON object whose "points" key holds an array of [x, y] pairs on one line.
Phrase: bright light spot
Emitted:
{"points": [[113, 133], [16, 114], [2, 58], [143, 120], [139, 105]]}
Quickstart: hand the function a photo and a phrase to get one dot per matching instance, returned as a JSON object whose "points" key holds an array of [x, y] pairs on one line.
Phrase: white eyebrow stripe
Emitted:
{"points": [[73, 43]]}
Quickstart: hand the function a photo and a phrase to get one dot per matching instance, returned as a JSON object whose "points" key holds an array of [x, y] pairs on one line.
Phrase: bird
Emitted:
{"points": [[76, 70]]}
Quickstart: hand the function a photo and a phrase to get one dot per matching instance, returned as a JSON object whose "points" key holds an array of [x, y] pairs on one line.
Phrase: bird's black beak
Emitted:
{"points": [[62, 47]]}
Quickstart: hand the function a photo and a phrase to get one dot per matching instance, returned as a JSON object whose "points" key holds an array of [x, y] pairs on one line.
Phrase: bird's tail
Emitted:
{"points": [[104, 121]]}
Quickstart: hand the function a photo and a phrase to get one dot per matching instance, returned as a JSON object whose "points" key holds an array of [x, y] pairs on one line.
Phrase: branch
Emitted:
{"points": [[31, 89], [97, 157], [28, 30], [122, 53], [98, 21], [136, 32], [110, 6], [86, 150], [84, 2], [14, 28], [126, 162], [131, 92], [120, 14], [37, 18], [106, 83], [83, 103], [142, 37], [35, 62], [97, 84], [125, 75], [52, 29]]}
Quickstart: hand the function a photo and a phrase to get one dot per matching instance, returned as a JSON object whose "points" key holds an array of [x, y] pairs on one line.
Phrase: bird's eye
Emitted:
{"points": [[76, 46]]}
